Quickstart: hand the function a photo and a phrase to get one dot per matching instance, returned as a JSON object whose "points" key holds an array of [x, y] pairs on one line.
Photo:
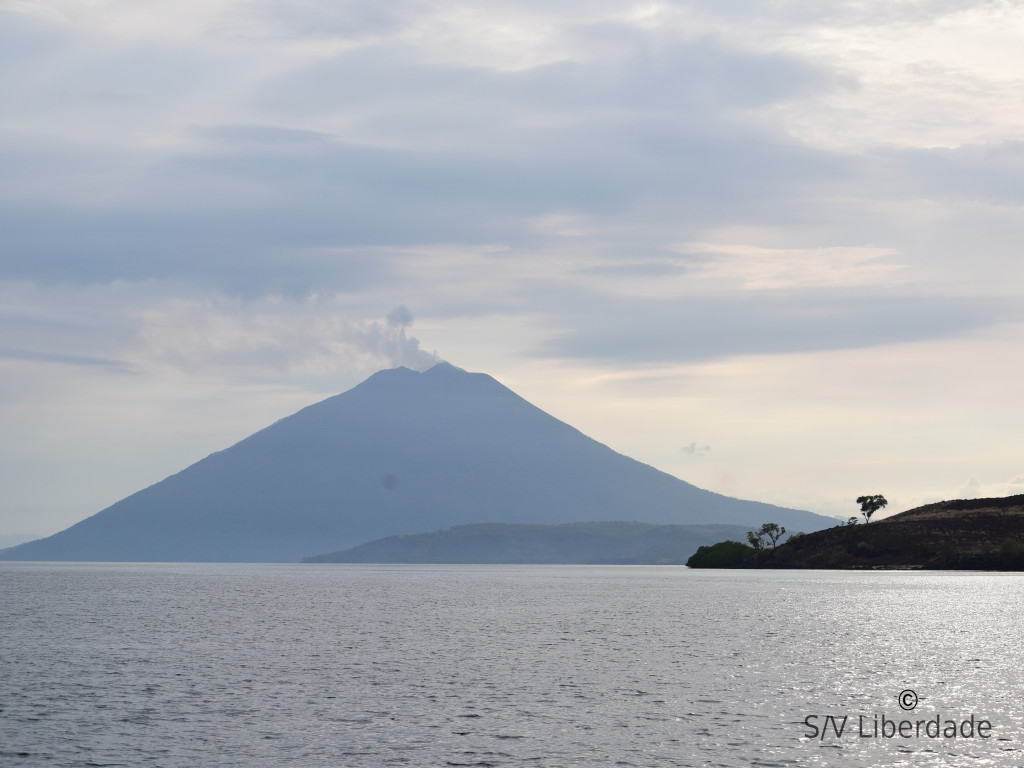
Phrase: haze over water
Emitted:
{"points": [[257, 665]]}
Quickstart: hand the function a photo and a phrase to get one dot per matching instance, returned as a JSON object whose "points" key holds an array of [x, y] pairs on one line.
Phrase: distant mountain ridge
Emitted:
{"points": [[401, 453], [616, 543]]}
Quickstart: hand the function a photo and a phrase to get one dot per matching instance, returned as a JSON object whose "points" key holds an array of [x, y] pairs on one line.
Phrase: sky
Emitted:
{"points": [[773, 249]]}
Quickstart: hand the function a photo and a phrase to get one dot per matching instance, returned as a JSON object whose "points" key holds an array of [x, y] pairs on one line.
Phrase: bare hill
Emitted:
{"points": [[968, 534]]}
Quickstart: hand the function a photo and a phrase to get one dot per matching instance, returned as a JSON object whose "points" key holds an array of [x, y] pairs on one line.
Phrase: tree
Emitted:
{"points": [[770, 531], [755, 540], [871, 504], [773, 532]]}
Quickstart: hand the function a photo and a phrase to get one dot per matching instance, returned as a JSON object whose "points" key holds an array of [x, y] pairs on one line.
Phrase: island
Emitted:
{"points": [[594, 543]]}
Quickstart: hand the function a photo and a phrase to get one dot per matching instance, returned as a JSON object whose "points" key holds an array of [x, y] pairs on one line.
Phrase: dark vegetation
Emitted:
{"points": [[724, 554], [734, 554]]}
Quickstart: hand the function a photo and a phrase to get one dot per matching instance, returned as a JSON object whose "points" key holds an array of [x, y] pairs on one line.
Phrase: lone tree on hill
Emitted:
{"points": [[871, 504]]}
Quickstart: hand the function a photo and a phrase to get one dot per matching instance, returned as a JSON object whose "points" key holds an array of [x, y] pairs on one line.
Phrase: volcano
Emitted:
{"points": [[402, 453]]}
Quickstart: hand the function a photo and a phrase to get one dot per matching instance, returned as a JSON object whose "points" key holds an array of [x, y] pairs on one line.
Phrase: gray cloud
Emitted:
{"points": [[244, 338], [870, 13], [400, 316], [349, 19], [990, 172], [191, 223], [326, 178], [638, 76], [695, 450], [399, 349], [704, 328], [118, 366]]}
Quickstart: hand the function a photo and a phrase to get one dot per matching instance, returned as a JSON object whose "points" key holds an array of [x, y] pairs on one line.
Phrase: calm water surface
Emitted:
{"points": [[339, 665]]}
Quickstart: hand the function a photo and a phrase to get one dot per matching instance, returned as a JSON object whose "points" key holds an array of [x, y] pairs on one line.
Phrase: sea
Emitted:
{"points": [[180, 665]]}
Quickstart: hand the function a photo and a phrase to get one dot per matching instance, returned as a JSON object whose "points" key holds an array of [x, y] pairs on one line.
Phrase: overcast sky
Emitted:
{"points": [[771, 248]]}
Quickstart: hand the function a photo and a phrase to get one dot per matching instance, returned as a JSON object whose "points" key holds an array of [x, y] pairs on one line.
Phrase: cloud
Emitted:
{"points": [[345, 19], [977, 172], [976, 489], [758, 268], [119, 366], [400, 316], [273, 337], [617, 73], [33, 9], [322, 165], [349, 146], [694, 450], [697, 328]]}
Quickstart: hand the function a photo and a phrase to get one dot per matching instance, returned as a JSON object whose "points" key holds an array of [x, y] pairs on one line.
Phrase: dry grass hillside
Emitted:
{"points": [[968, 534]]}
